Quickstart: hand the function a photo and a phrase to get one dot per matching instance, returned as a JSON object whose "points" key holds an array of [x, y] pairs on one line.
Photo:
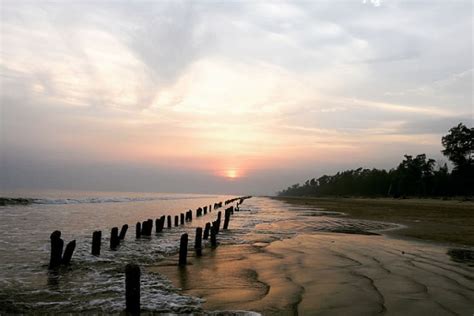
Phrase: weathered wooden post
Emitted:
{"points": [[226, 219], [96, 241], [162, 224], [66, 260], [205, 210], [190, 215], [182, 218], [169, 221], [57, 245], [114, 240], [132, 289], [150, 226], [214, 225], [183, 250], [219, 215], [206, 231], [123, 232], [138, 230], [198, 241], [213, 237], [145, 228], [176, 220]]}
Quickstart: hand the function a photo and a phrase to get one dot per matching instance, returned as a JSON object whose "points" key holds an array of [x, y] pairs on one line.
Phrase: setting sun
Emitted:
{"points": [[231, 173]]}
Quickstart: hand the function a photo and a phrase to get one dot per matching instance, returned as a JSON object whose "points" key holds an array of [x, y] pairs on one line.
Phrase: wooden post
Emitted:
{"points": [[145, 228], [213, 225], [138, 230], [210, 208], [57, 245], [114, 240], [182, 218], [96, 241], [132, 289], [219, 215], [176, 220], [205, 210], [226, 219], [198, 241], [150, 226], [183, 250], [190, 215], [68, 252], [213, 236], [123, 232], [206, 231], [169, 221], [162, 222], [217, 225]]}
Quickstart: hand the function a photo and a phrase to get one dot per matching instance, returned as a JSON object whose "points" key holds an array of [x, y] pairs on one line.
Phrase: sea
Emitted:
{"points": [[95, 284]]}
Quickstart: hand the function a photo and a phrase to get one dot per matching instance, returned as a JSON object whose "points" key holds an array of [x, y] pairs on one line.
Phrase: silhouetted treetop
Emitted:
{"points": [[414, 176], [459, 145]]}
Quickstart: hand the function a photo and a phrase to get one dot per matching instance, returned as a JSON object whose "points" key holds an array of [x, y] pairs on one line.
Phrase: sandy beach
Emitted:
{"points": [[322, 273]]}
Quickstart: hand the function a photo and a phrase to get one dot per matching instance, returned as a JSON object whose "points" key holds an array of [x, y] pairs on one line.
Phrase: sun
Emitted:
{"points": [[231, 173]]}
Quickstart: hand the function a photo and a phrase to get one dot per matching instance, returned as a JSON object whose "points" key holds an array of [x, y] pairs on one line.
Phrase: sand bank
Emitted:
{"points": [[426, 219], [328, 274]]}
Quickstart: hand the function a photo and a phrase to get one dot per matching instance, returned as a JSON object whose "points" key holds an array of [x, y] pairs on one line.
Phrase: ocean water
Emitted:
{"points": [[96, 284], [90, 283]]}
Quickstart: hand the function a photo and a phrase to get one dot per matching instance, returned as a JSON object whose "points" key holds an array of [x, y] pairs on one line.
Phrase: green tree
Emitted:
{"points": [[459, 146]]}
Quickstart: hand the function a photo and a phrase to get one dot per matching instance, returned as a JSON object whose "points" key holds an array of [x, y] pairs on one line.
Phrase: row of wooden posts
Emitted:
{"points": [[142, 229], [132, 271], [145, 228]]}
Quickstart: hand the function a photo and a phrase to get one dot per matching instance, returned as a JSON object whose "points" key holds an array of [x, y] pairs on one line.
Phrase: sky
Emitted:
{"points": [[242, 97]]}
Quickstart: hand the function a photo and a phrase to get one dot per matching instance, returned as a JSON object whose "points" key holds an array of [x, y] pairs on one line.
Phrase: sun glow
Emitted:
{"points": [[231, 173]]}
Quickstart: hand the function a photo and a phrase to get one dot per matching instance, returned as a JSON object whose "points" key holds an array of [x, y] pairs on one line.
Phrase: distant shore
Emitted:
{"points": [[444, 221]]}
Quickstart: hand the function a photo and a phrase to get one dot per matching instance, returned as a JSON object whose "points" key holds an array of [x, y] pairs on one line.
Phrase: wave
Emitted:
{"points": [[4, 201]]}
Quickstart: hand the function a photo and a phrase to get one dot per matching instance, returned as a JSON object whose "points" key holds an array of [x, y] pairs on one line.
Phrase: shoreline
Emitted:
{"points": [[446, 222], [325, 273]]}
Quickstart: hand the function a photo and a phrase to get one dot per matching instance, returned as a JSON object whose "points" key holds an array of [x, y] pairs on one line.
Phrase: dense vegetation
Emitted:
{"points": [[414, 176]]}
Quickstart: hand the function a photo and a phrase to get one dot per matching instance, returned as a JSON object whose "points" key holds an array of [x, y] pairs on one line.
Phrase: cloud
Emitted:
{"points": [[204, 87]]}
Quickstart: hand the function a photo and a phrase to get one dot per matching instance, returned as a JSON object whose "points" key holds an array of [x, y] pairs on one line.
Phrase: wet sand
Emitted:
{"points": [[444, 221], [328, 274], [320, 273]]}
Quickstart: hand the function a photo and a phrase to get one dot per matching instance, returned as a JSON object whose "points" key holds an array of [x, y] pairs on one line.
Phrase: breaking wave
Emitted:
{"points": [[4, 201]]}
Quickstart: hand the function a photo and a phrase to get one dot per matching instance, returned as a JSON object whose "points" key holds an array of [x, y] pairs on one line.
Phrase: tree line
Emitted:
{"points": [[415, 176]]}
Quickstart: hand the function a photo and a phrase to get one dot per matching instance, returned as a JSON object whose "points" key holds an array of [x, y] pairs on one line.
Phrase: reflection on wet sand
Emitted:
{"points": [[327, 274], [462, 255]]}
